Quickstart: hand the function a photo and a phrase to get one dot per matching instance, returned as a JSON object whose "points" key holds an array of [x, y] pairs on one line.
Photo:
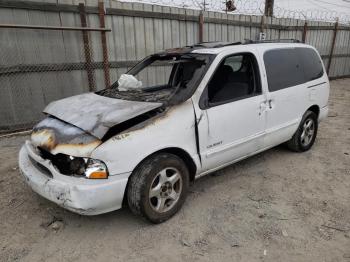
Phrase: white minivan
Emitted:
{"points": [[175, 116]]}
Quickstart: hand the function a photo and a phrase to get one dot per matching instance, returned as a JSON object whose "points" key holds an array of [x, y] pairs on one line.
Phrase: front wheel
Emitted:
{"points": [[158, 187], [305, 136]]}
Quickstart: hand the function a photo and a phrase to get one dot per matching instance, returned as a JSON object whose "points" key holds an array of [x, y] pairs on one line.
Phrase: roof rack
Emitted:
{"points": [[291, 40], [214, 44], [218, 44]]}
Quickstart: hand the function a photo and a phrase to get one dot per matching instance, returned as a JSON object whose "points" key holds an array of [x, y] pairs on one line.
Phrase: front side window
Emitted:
{"points": [[235, 78]]}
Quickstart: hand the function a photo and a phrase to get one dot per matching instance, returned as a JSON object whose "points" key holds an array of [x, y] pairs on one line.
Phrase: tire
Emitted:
{"points": [[304, 137], [163, 175]]}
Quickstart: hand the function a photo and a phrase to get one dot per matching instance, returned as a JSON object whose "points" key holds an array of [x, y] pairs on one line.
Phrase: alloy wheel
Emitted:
{"points": [[308, 132], [165, 190]]}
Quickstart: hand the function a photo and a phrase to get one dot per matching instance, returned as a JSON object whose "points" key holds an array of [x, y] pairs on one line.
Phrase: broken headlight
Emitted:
{"points": [[95, 169], [77, 166], [88, 167]]}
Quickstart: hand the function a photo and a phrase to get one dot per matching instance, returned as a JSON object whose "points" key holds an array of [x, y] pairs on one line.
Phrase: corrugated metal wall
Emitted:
{"points": [[134, 35]]}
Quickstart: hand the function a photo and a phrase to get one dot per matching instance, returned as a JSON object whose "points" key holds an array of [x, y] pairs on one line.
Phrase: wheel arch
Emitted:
{"points": [[315, 109], [179, 152], [191, 165]]}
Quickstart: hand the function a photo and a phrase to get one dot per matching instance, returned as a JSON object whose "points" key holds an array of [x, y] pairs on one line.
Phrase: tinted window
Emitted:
{"points": [[236, 77], [283, 69], [291, 67], [311, 63]]}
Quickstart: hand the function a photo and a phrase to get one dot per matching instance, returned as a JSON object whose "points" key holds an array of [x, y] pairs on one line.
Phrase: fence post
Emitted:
{"points": [[88, 64], [262, 35], [101, 13], [333, 44], [201, 26], [304, 33], [269, 4]]}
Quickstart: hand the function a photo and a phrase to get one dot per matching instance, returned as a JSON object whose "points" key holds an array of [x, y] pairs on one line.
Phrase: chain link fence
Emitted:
{"points": [[50, 51], [38, 66]]}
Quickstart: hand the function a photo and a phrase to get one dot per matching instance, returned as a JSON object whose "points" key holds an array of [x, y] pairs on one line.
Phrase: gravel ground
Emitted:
{"points": [[276, 206]]}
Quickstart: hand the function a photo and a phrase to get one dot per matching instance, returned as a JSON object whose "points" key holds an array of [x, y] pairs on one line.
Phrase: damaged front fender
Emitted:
{"points": [[172, 128]]}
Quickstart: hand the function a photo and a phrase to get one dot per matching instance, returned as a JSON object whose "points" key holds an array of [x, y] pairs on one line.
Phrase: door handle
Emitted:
{"points": [[270, 103]]}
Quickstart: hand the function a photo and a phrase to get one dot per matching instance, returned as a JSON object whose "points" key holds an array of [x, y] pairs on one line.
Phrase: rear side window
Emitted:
{"points": [[291, 66], [311, 63], [283, 69]]}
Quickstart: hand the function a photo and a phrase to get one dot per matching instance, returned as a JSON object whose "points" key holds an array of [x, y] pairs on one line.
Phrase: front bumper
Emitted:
{"points": [[79, 195]]}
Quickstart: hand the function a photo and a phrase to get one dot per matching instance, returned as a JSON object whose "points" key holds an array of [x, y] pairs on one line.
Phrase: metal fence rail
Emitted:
{"points": [[50, 51]]}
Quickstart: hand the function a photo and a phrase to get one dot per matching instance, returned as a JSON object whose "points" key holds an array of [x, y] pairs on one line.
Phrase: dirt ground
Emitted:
{"points": [[276, 206]]}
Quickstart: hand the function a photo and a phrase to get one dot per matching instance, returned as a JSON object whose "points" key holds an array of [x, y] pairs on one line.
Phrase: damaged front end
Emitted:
{"points": [[90, 137], [56, 136], [68, 149], [77, 125]]}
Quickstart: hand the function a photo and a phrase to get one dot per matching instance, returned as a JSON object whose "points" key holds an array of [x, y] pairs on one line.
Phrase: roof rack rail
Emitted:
{"points": [[214, 44], [233, 43], [291, 40]]}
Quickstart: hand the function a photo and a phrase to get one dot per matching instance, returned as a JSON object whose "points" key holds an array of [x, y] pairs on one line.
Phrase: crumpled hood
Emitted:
{"points": [[56, 136], [96, 114]]}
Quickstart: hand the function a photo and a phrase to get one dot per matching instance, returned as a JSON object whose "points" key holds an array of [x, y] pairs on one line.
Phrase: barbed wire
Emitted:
{"points": [[253, 7], [312, 15]]}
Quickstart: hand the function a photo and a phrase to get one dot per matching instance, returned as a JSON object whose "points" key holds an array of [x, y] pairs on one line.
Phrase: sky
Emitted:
{"points": [[335, 8], [322, 10]]}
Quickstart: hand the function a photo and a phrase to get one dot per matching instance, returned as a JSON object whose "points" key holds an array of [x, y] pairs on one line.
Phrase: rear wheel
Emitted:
{"points": [[305, 136], [158, 187]]}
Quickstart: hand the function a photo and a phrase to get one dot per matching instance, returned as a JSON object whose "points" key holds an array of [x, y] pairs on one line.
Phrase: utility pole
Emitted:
{"points": [[269, 7]]}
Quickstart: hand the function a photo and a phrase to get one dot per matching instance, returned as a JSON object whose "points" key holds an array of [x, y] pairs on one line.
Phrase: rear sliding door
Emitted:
{"points": [[288, 71]]}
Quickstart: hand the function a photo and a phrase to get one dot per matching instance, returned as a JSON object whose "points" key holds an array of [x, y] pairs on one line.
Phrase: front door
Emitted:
{"points": [[232, 124]]}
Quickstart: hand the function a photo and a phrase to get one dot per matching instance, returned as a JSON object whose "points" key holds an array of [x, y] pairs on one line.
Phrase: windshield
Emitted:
{"points": [[170, 78]]}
